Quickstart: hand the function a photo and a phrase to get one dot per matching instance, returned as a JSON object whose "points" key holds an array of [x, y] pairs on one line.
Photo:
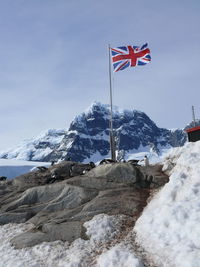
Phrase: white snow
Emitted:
{"points": [[118, 256], [41, 153], [169, 226], [12, 167], [28, 148], [106, 110], [103, 227], [94, 105], [61, 254], [45, 254], [101, 136], [145, 150], [96, 157]]}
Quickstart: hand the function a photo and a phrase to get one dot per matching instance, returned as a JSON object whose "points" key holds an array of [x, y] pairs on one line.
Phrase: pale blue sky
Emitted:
{"points": [[54, 61]]}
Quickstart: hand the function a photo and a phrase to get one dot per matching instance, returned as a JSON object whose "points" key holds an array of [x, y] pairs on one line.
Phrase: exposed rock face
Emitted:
{"points": [[59, 209], [88, 134], [88, 137]]}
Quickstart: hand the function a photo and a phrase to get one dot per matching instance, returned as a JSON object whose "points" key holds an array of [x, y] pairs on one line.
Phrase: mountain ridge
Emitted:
{"points": [[88, 137]]}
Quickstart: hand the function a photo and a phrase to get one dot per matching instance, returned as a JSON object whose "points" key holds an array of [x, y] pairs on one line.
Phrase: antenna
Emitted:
{"points": [[193, 116]]}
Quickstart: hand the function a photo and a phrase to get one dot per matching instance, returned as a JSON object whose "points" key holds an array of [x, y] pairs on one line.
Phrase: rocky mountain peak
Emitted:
{"points": [[87, 138]]}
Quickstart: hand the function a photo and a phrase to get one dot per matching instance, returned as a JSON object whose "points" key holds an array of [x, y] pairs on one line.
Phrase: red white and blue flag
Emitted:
{"points": [[130, 56]]}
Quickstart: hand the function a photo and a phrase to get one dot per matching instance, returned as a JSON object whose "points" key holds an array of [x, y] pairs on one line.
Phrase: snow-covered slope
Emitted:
{"points": [[169, 226], [87, 138], [102, 229], [37, 148]]}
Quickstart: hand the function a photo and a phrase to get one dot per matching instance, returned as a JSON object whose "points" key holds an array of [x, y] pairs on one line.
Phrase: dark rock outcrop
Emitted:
{"points": [[59, 209]]}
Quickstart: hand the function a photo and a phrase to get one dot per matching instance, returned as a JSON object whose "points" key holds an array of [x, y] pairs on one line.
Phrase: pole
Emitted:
{"points": [[112, 138], [193, 116]]}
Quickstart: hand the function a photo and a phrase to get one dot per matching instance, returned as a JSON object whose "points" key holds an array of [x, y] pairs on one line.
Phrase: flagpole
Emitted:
{"points": [[112, 138]]}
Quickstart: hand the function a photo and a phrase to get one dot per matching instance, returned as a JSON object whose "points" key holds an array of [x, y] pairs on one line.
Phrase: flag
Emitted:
{"points": [[130, 56]]}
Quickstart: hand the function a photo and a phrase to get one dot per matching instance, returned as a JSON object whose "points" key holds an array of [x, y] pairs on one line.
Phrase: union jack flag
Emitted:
{"points": [[130, 56]]}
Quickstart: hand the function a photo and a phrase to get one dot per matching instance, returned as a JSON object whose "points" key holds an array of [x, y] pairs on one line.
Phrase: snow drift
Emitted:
{"points": [[169, 226]]}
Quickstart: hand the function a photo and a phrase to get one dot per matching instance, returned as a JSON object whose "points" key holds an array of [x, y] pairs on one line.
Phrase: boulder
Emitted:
{"points": [[53, 197], [68, 231], [14, 217], [120, 172], [29, 239]]}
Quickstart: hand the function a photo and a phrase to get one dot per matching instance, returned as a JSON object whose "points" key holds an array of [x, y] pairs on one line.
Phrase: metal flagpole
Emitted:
{"points": [[193, 116], [112, 138]]}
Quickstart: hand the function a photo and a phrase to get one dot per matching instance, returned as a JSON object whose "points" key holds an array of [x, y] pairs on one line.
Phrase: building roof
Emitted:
{"points": [[193, 129]]}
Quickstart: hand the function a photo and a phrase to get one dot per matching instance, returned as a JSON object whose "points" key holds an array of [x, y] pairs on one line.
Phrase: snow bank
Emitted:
{"points": [[12, 168], [61, 254], [118, 256], [169, 226], [103, 227]]}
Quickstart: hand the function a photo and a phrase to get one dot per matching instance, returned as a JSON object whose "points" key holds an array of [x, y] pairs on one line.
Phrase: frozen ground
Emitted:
{"points": [[12, 168], [169, 226], [102, 229]]}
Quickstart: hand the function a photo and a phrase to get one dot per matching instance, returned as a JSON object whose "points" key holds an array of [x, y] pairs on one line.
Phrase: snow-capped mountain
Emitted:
{"points": [[88, 137], [36, 148]]}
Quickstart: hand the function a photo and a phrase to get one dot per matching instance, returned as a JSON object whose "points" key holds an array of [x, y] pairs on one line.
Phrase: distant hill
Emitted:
{"points": [[88, 137]]}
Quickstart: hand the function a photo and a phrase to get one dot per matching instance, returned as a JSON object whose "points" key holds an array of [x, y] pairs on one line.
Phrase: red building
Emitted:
{"points": [[193, 134]]}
